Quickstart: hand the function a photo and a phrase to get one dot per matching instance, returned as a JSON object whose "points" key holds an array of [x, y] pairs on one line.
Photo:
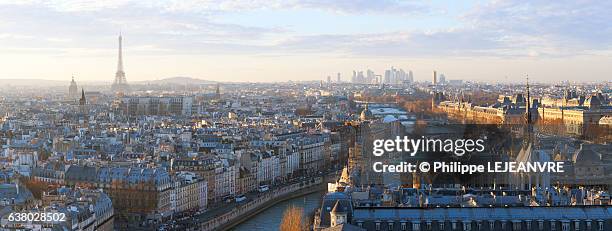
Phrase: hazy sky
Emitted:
{"points": [[306, 40]]}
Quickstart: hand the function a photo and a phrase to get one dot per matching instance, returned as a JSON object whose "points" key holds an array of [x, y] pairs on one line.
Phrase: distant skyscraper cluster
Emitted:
{"points": [[397, 76], [391, 76]]}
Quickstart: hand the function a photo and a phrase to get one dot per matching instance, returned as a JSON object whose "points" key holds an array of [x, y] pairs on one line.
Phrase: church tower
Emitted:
{"points": [[218, 92], [83, 107], [120, 84]]}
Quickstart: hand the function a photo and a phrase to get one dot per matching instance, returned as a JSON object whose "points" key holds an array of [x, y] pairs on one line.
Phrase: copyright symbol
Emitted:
{"points": [[424, 167]]}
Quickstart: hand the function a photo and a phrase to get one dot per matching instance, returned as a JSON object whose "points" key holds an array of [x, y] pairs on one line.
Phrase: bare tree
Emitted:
{"points": [[293, 219]]}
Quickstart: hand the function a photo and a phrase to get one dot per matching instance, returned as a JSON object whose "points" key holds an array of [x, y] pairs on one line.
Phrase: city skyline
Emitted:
{"points": [[257, 41]]}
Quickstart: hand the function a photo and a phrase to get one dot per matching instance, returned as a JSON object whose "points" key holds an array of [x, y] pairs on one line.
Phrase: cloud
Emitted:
{"points": [[499, 28], [208, 6], [69, 5], [547, 27], [14, 36], [338, 6]]}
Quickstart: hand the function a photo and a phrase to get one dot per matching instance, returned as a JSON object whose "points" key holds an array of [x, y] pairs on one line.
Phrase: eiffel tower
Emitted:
{"points": [[120, 84]]}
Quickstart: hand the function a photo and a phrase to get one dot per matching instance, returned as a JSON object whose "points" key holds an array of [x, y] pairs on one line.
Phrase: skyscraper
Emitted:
{"points": [[120, 84], [410, 76], [435, 78], [442, 79], [73, 90]]}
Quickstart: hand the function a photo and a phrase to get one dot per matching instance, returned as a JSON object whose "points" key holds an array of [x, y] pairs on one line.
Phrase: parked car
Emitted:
{"points": [[228, 199], [263, 188], [241, 198]]}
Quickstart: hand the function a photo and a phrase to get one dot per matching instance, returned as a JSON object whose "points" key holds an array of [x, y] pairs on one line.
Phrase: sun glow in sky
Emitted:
{"points": [[306, 40]]}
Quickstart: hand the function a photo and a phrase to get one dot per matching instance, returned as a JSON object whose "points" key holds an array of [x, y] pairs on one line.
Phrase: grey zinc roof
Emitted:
{"points": [[108, 174], [513, 213]]}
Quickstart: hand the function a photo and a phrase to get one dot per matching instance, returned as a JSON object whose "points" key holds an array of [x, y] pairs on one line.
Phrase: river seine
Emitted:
{"points": [[271, 218]]}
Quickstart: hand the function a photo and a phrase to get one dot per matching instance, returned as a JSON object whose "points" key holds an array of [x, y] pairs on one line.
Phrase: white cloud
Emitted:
{"points": [[547, 27], [499, 29], [14, 36]]}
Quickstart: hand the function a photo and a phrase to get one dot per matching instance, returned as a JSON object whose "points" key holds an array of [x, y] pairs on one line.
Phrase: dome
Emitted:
{"points": [[586, 155], [366, 114]]}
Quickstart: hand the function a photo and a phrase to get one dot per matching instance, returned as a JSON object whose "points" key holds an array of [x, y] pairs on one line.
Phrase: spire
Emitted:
{"points": [[528, 112], [82, 101], [528, 103], [218, 92]]}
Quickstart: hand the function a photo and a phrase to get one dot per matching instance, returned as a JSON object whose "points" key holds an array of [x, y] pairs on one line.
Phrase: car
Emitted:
{"points": [[228, 199], [240, 198], [263, 188]]}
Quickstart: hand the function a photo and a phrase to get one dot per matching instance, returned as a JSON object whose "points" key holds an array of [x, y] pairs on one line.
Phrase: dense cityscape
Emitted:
{"points": [[189, 155]]}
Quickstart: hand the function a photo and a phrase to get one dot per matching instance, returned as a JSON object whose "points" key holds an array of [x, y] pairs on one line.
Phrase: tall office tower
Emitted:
{"points": [[328, 80], [73, 92], [442, 78], [339, 78], [402, 76], [120, 84], [360, 77], [370, 76], [387, 77], [435, 78], [354, 78], [410, 76]]}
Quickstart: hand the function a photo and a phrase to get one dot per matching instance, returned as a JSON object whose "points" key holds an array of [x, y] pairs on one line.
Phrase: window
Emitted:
{"points": [[601, 226], [565, 226], [528, 224], [553, 225], [516, 225], [491, 225], [403, 225], [467, 225], [428, 225], [577, 225], [588, 225], [377, 225], [441, 224], [541, 225], [360, 224], [390, 226], [416, 226]]}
